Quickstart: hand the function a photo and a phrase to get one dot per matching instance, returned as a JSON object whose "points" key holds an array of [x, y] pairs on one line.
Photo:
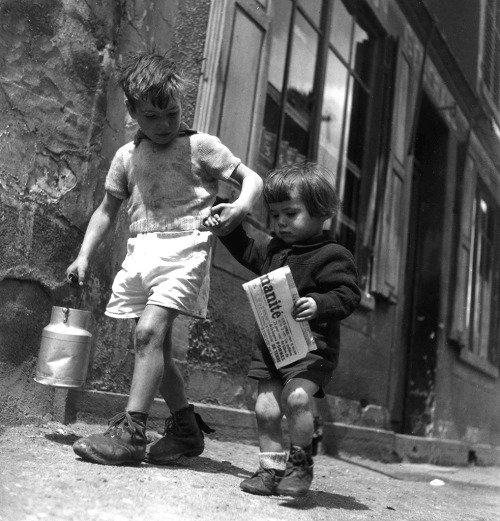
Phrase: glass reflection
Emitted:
{"points": [[279, 40], [332, 113], [341, 30], [301, 80]]}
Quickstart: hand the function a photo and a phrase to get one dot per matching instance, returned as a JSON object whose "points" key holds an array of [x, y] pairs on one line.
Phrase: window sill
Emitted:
{"points": [[480, 364]]}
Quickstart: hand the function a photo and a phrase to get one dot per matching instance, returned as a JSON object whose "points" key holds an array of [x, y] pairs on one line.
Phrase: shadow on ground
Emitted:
{"points": [[315, 499]]}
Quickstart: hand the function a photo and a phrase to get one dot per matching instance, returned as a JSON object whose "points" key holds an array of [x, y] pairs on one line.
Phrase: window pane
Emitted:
{"points": [[359, 112], [346, 237], [341, 29], [332, 113], [269, 134], [483, 279], [313, 9], [351, 195], [303, 62], [272, 110], [279, 37]]}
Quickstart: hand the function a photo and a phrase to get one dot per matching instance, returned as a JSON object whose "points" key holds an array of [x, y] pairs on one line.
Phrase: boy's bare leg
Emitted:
{"points": [[125, 440], [172, 386], [272, 457], [269, 414], [183, 434], [153, 328], [297, 401]]}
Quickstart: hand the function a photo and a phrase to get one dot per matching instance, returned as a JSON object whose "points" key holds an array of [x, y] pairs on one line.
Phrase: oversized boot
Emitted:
{"points": [[298, 473], [124, 442], [183, 436]]}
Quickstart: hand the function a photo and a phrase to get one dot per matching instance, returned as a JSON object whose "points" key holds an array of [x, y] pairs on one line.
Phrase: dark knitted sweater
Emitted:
{"points": [[322, 270]]}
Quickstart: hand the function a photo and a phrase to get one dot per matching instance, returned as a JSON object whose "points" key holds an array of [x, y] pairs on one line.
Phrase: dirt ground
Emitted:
{"points": [[42, 479]]}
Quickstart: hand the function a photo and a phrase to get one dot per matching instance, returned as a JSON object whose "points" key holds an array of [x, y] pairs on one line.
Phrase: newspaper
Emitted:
{"points": [[271, 298]]}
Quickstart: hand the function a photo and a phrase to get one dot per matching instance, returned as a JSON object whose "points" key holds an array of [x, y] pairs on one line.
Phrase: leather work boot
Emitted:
{"points": [[123, 442], [183, 436], [298, 473], [262, 483]]}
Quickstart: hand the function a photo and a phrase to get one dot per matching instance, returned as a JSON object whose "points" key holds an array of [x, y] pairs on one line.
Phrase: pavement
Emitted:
{"points": [[42, 479]]}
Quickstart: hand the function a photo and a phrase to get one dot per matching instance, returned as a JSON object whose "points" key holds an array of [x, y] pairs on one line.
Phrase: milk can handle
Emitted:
{"points": [[76, 290], [66, 313]]}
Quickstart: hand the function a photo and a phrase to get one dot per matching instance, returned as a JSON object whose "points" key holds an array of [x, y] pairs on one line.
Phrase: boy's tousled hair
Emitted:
{"points": [[314, 184], [148, 76]]}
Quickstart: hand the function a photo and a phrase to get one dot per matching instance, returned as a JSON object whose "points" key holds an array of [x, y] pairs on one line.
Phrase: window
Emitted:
{"points": [[344, 115], [483, 285], [290, 91], [318, 98]]}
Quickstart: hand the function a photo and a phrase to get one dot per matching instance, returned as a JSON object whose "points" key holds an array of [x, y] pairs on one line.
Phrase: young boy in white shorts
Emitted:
{"points": [[169, 176]]}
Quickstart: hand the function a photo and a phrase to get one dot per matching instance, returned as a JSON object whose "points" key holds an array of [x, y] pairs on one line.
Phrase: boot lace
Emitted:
{"points": [[171, 426], [121, 423]]}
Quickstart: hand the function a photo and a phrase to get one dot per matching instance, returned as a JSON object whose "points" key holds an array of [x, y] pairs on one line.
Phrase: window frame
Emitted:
{"points": [[492, 357], [473, 183], [365, 20]]}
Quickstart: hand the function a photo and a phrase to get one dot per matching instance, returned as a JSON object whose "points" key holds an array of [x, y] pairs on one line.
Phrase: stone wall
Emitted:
{"points": [[63, 118]]}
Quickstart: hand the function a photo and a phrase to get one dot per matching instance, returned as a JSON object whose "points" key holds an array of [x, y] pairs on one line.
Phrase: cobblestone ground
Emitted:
{"points": [[42, 479]]}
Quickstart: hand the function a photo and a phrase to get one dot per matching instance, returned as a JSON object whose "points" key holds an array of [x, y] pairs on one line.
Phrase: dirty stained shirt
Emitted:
{"points": [[169, 187]]}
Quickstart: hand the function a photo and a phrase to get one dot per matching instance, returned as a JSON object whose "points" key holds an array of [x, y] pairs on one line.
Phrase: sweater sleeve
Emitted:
{"points": [[116, 179], [247, 251], [214, 157], [337, 278]]}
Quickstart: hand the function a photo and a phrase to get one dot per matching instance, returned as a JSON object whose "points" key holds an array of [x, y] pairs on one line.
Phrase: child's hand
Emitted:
{"points": [[229, 216], [305, 308], [211, 221], [75, 274]]}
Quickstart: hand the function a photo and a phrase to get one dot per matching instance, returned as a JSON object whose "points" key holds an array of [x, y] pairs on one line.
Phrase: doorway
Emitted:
{"points": [[424, 269]]}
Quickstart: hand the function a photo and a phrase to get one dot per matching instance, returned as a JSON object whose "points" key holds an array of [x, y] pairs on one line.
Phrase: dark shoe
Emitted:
{"points": [[262, 483], [183, 436], [298, 474], [124, 442]]}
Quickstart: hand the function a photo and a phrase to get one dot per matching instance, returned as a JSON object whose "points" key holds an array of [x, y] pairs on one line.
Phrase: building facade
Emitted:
{"points": [[401, 100]]}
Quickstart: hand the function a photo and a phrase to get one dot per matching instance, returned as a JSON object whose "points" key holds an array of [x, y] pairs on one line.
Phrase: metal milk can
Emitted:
{"points": [[65, 348]]}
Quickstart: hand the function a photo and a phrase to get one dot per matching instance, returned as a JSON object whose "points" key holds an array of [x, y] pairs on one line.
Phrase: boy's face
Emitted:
{"points": [[159, 125], [293, 223]]}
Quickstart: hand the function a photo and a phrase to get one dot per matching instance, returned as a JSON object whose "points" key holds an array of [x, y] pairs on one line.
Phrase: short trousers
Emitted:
{"points": [[167, 269], [313, 367]]}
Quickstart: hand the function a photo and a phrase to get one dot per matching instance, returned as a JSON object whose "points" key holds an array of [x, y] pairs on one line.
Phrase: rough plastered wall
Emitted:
{"points": [[62, 120], [55, 60]]}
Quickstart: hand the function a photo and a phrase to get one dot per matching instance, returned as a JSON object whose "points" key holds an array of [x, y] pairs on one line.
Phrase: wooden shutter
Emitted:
{"points": [[391, 207], [459, 326], [378, 152], [389, 237]]}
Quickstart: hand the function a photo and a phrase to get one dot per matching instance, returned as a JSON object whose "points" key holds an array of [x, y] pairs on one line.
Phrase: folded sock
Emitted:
{"points": [[140, 417]]}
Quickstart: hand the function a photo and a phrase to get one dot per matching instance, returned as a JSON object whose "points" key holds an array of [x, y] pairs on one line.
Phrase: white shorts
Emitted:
{"points": [[167, 269]]}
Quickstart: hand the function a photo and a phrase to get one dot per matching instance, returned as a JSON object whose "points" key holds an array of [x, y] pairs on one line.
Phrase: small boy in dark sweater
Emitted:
{"points": [[300, 198]]}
